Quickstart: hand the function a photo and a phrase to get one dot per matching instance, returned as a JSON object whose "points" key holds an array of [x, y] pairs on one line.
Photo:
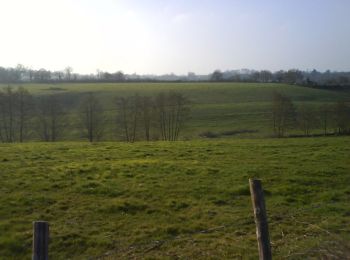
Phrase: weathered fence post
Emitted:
{"points": [[40, 240], [262, 229]]}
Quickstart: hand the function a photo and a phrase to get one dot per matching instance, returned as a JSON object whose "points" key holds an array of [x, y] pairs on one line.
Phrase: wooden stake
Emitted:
{"points": [[262, 230], [40, 240]]}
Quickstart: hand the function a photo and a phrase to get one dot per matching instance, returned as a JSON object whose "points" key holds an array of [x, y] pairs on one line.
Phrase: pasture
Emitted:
{"points": [[169, 200], [236, 109]]}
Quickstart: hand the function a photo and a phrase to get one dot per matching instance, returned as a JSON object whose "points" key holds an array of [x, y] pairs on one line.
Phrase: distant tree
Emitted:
{"points": [[128, 116], [147, 108], [8, 114], [217, 76], [19, 71], [265, 76], [325, 116], [279, 76], [107, 76], [283, 114], [293, 76], [172, 111], [31, 74], [91, 117], [50, 117], [58, 75], [68, 71], [24, 111], [342, 117], [42, 75], [255, 76], [119, 76], [306, 119], [15, 113]]}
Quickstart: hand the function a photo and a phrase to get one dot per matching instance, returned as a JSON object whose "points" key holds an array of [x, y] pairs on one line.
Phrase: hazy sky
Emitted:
{"points": [[177, 36]]}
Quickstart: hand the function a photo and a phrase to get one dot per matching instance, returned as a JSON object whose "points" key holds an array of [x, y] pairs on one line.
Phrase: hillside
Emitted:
{"points": [[215, 107]]}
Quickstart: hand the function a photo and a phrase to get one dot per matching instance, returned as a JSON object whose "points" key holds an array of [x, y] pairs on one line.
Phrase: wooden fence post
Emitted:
{"points": [[40, 240], [262, 229]]}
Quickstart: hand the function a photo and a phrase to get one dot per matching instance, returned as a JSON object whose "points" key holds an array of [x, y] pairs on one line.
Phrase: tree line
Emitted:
{"points": [[332, 118], [327, 80], [135, 118], [315, 79]]}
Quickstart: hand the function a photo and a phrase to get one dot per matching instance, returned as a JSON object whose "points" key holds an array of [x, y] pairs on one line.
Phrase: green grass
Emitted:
{"points": [[216, 107], [121, 198]]}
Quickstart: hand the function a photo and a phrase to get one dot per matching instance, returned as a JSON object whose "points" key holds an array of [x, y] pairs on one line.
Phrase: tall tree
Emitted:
{"points": [[172, 111], [50, 118], [306, 119], [283, 114], [146, 115], [217, 76], [8, 114], [24, 108], [92, 117], [342, 117], [128, 116], [326, 115], [68, 71]]}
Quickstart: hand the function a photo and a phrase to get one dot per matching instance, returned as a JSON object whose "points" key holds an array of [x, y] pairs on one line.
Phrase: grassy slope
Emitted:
{"points": [[108, 196], [216, 106]]}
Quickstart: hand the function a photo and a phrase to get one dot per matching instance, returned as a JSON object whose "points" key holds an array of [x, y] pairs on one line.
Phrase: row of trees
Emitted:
{"points": [[335, 117], [23, 74], [314, 78], [23, 117], [163, 115]]}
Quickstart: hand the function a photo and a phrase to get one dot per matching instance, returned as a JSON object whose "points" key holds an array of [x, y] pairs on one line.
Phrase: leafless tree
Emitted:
{"points": [[147, 115], [50, 117], [92, 117], [283, 114], [306, 119], [8, 114], [68, 71], [342, 117], [172, 111], [24, 109], [128, 116], [326, 116]]}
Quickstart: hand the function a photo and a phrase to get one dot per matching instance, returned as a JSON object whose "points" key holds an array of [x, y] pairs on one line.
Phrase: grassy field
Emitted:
{"points": [[121, 198], [216, 107]]}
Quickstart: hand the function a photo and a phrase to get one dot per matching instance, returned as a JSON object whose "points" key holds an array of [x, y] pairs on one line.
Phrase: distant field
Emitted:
{"points": [[216, 107], [193, 196]]}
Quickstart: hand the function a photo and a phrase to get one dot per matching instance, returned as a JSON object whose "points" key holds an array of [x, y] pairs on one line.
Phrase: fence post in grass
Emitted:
{"points": [[262, 230], [40, 240]]}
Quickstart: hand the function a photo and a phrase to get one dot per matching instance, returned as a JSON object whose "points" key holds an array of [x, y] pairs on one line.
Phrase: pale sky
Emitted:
{"points": [[154, 36]]}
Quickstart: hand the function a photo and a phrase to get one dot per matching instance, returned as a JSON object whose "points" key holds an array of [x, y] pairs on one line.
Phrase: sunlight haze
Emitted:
{"points": [[175, 36]]}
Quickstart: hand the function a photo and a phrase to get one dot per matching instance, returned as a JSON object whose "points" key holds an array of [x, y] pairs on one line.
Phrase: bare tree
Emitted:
{"points": [[217, 75], [306, 119], [68, 71], [8, 114], [172, 111], [342, 117], [24, 108], [325, 117], [147, 111], [128, 116], [92, 118], [50, 118], [3, 121], [283, 114]]}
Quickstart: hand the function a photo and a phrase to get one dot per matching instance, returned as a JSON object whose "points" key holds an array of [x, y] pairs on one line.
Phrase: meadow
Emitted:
{"points": [[180, 200], [170, 200], [243, 109]]}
